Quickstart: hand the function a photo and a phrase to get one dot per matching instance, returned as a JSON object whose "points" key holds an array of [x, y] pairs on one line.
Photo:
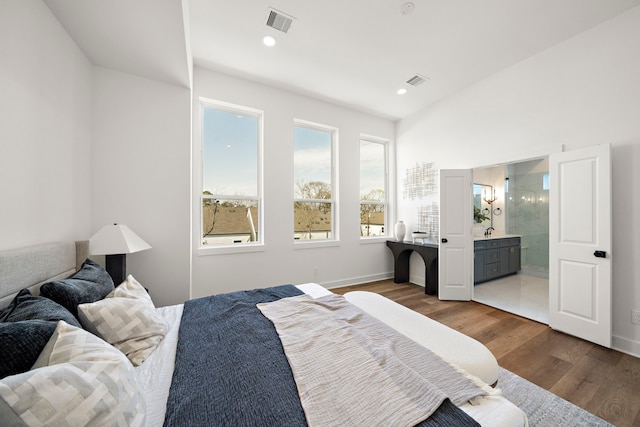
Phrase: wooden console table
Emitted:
{"points": [[429, 253]]}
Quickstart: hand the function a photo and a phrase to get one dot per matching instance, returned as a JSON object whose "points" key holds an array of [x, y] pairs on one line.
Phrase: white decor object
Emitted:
{"points": [[419, 237], [399, 231]]}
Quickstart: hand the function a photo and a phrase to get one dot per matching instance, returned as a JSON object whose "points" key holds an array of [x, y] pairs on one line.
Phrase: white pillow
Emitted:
{"points": [[127, 319], [78, 380]]}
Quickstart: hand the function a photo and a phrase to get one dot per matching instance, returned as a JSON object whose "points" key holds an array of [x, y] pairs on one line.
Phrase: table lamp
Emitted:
{"points": [[115, 242]]}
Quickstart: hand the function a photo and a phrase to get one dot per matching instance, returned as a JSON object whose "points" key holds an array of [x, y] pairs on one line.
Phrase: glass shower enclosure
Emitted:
{"points": [[527, 212]]}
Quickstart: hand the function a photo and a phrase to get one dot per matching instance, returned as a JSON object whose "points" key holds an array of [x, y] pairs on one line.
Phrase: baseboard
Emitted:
{"points": [[626, 345], [417, 279], [357, 280]]}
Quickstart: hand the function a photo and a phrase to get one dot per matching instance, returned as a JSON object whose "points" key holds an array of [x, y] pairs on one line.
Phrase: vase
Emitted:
{"points": [[400, 230]]}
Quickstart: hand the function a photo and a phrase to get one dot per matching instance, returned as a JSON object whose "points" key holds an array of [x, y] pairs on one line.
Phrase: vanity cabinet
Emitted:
{"points": [[495, 257]]}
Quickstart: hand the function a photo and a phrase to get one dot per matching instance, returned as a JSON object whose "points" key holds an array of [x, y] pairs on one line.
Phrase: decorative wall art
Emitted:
{"points": [[420, 181], [421, 185]]}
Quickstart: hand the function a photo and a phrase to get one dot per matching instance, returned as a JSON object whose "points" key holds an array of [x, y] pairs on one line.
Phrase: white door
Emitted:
{"points": [[455, 254], [580, 243]]}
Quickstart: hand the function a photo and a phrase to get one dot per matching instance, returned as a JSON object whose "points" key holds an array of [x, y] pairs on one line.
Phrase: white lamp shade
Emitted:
{"points": [[116, 239]]}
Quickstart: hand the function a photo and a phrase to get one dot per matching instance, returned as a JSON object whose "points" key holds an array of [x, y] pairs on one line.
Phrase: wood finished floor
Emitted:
{"points": [[602, 381]]}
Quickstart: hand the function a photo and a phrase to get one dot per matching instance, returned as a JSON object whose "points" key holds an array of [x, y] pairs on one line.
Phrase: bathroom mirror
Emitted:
{"points": [[483, 195]]}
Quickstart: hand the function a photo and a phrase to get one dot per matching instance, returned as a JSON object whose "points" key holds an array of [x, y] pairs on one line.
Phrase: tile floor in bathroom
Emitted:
{"points": [[521, 294]]}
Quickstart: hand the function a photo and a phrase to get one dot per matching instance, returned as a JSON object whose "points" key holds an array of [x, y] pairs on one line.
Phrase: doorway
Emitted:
{"points": [[521, 209]]}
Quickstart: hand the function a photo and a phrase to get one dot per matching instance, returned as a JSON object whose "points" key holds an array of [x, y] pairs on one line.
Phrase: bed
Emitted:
{"points": [[282, 355]]}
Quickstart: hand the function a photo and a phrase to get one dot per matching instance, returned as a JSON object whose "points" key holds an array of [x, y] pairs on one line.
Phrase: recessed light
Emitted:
{"points": [[269, 41], [401, 91]]}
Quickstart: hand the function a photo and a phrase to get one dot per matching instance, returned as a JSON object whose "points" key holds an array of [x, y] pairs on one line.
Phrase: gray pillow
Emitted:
{"points": [[90, 284], [21, 343]]}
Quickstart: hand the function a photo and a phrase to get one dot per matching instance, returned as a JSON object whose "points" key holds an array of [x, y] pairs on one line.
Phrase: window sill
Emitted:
{"points": [[230, 249]]}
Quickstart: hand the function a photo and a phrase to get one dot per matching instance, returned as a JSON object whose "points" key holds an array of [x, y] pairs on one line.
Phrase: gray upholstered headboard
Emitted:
{"points": [[32, 266]]}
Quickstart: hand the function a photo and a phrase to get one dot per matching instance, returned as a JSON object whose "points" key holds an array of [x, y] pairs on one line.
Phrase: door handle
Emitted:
{"points": [[600, 254], [444, 240]]}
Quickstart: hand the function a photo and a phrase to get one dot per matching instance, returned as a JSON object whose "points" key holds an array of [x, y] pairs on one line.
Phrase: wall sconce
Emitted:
{"points": [[115, 242], [491, 200]]}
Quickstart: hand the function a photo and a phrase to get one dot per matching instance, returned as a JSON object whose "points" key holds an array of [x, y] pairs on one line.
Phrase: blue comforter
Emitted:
{"points": [[231, 369]]}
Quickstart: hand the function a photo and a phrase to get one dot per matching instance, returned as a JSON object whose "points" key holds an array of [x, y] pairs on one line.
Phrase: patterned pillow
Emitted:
{"points": [[28, 307], [127, 319], [77, 380], [21, 343], [91, 283]]}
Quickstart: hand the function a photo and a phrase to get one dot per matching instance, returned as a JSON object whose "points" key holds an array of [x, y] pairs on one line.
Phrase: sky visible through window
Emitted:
{"points": [[230, 153], [312, 151], [372, 167]]}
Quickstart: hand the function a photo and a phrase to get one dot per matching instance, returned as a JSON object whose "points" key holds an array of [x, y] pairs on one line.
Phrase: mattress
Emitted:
{"points": [[156, 372]]}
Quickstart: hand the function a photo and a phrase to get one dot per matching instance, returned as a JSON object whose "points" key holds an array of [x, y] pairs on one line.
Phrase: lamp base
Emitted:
{"points": [[116, 266]]}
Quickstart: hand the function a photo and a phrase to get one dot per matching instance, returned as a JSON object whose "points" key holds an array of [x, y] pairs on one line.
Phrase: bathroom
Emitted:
{"points": [[515, 200]]}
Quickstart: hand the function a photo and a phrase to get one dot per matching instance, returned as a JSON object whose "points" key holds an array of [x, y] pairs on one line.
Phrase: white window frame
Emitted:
{"points": [[335, 238], [242, 247], [387, 190]]}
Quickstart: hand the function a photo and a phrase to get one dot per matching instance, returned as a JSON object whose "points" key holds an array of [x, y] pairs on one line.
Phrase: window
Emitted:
{"points": [[373, 188], [545, 181], [231, 198], [314, 205]]}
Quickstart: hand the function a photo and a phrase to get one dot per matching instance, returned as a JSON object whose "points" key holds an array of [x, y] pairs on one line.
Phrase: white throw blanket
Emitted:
{"points": [[352, 369]]}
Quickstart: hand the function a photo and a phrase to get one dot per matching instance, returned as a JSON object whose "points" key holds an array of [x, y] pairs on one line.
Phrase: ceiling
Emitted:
{"points": [[355, 53], [145, 38]]}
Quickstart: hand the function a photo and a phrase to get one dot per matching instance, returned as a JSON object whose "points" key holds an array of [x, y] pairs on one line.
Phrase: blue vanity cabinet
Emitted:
{"points": [[479, 266], [495, 257], [509, 255]]}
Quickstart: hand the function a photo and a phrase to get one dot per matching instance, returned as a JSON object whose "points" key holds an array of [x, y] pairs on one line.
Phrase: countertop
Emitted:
{"points": [[496, 236]]}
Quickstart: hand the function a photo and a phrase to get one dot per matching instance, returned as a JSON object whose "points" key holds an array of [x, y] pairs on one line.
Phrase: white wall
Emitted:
{"points": [[45, 128], [581, 93], [351, 261], [140, 175], [82, 146]]}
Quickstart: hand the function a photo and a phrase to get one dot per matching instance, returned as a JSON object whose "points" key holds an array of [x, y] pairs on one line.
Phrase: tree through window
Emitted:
{"points": [[373, 188], [314, 203]]}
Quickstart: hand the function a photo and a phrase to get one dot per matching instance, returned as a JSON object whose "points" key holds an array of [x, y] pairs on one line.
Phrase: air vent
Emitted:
{"points": [[279, 21], [416, 80]]}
